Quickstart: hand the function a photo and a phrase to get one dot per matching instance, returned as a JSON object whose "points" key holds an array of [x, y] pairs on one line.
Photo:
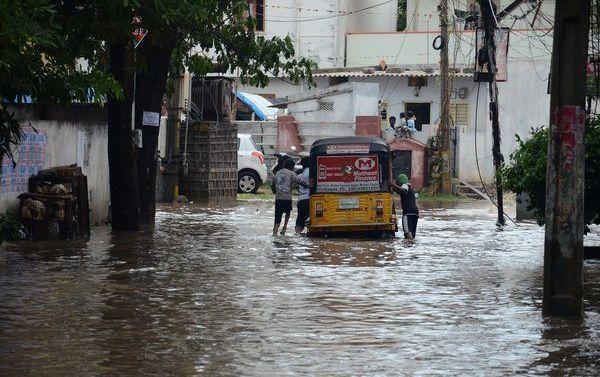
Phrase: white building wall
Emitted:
{"points": [[278, 87], [396, 92], [379, 17], [73, 142], [68, 143], [367, 49], [516, 115], [309, 23], [349, 100]]}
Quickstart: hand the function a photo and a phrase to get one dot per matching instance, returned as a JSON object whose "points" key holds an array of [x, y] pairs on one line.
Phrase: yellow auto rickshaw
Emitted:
{"points": [[350, 189]]}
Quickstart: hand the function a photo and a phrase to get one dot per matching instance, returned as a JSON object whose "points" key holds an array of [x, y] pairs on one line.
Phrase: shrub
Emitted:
{"points": [[526, 172], [10, 228]]}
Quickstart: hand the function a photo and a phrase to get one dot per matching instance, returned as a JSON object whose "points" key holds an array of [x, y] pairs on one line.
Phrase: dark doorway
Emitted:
{"points": [[401, 164], [422, 111]]}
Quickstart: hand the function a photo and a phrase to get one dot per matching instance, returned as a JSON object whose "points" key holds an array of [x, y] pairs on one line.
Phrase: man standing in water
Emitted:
{"points": [[285, 180], [303, 195], [410, 211]]}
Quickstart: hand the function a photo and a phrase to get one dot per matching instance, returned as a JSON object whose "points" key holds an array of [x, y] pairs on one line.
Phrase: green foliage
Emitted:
{"points": [[215, 36], [58, 51], [10, 228], [401, 23], [593, 87], [40, 41], [526, 172]]}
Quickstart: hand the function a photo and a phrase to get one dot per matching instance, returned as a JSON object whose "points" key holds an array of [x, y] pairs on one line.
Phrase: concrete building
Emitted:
{"points": [[318, 29], [524, 102], [335, 104], [362, 38]]}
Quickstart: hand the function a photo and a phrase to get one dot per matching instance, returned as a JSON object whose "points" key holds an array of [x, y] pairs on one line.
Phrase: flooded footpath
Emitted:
{"points": [[211, 292]]}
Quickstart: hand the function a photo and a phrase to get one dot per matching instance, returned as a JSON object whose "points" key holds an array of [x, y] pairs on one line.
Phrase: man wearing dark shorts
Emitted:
{"points": [[410, 211], [285, 180], [303, 195]]}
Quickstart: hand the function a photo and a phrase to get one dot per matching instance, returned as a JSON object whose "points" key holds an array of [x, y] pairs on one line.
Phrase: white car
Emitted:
{"points": [[252, 171]]}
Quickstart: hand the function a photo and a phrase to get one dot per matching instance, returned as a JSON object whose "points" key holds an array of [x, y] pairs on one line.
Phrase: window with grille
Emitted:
{"points": [[459, 113], [257, 13], [325, 106]]}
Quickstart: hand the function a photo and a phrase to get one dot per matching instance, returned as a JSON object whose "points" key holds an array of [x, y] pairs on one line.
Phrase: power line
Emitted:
{"points": [[331, 16], [477, 156]]}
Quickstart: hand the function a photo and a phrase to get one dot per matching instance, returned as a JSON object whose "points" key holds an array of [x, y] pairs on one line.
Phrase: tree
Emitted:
{"points": [[197, 35], [526, 172], [43, 42], [39, 47], [401, 23]]}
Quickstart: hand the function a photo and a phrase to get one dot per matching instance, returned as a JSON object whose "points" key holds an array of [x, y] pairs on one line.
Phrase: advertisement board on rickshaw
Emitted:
{"points": [[352, 173]]}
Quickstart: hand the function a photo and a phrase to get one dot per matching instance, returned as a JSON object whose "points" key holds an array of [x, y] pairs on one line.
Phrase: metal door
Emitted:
{"points": [[402, 163]]}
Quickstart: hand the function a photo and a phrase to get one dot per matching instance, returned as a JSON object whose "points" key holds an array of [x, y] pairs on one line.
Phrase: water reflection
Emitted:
{"points": [[209, 291]]}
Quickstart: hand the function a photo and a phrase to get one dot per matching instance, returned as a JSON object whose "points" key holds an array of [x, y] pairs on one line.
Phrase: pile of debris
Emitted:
{"points": [[56, 206]]}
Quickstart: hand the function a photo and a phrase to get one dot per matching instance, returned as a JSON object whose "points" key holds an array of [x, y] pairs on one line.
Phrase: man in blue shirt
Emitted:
{"points": [[410, 122]]}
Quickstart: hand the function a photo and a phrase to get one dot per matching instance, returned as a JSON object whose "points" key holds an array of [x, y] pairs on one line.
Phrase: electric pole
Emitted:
{"points": [[444, 129], [563, 247], [488, 16]]}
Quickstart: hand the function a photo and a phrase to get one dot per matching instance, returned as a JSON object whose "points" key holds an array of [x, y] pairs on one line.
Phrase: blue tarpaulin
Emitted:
{"points": [[259, 105]]}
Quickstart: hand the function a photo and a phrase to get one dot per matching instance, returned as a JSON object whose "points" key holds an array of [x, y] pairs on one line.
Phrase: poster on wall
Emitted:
{"points": [[347, 174], [150, 118], [30, 157]]}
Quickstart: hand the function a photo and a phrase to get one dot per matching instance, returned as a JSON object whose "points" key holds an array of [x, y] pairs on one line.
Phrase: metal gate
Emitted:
{"points": [[454, 151], [401, 163]]}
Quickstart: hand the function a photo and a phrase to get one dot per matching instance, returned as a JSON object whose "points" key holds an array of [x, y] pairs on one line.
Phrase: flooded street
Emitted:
{"points": [[211, 292]]}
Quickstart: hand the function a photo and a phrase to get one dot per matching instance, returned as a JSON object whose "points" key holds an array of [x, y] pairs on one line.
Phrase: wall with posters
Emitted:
{"points": [[55, 137]]}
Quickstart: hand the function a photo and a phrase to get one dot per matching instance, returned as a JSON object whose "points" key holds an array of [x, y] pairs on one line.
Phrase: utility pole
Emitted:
{"points": [[563, 247], [488, 16], [444, 129]]}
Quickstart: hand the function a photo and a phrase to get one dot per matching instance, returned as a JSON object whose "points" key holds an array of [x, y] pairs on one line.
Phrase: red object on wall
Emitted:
{"points": [[418, 160], [287, 134], [369, 125]]}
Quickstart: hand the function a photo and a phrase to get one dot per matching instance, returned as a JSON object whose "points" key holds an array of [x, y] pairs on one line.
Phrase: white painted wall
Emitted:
{"points": [[367, 49], [349, 100], [370, 35], [524, 104], [77, 142], [380, 17], [276, 86], [62, 149]]}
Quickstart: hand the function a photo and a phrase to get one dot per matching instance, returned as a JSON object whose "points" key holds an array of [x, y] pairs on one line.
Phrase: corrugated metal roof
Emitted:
{"points": [[387, 74]]}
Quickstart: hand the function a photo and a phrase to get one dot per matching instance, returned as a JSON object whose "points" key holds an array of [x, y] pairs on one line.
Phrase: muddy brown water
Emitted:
{"points": [[211, 292]]}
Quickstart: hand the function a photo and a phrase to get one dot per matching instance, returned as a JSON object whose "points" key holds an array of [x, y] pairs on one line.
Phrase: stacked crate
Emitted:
{"points": [[211, 161], [56, 206]]}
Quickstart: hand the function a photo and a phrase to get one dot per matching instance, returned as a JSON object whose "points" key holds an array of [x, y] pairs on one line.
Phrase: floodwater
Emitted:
{"points": [[211, 292]]}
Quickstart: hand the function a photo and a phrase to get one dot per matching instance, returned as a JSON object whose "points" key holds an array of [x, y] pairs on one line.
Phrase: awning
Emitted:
{"points": [[258, 104]]}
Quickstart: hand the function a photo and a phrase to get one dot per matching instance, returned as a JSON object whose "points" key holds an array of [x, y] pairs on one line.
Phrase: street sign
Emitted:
{"points": [[139, 32], [138, 35], [150, 118]]}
